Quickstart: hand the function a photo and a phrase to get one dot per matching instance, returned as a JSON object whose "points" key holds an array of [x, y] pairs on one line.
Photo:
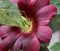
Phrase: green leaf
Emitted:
{"points": [[9, 13], [56, 47], [8, 20], [55, 23], [44, 47], [55, 2], [9, 8], [7, 5]]}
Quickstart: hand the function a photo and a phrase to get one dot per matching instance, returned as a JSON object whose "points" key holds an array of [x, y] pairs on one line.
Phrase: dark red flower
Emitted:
{"points": [[39, 12]]}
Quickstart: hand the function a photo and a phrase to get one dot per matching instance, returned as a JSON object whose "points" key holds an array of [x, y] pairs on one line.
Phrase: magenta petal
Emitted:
{"points": [[4, 29], [41, 3], [18, 44], [7, 43], [31, 6], [44, 34], [8, 30], [31, 43], [45, 14], [27, 6]]}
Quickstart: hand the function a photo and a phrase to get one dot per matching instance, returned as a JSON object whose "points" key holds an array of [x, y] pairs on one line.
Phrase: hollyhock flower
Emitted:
{"points": [[39, 14]]}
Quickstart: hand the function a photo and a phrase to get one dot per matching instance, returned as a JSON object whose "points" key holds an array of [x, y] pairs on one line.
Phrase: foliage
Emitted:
{"points": [[44, 47], [8, 13], [55, 23], [56, 46]]}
